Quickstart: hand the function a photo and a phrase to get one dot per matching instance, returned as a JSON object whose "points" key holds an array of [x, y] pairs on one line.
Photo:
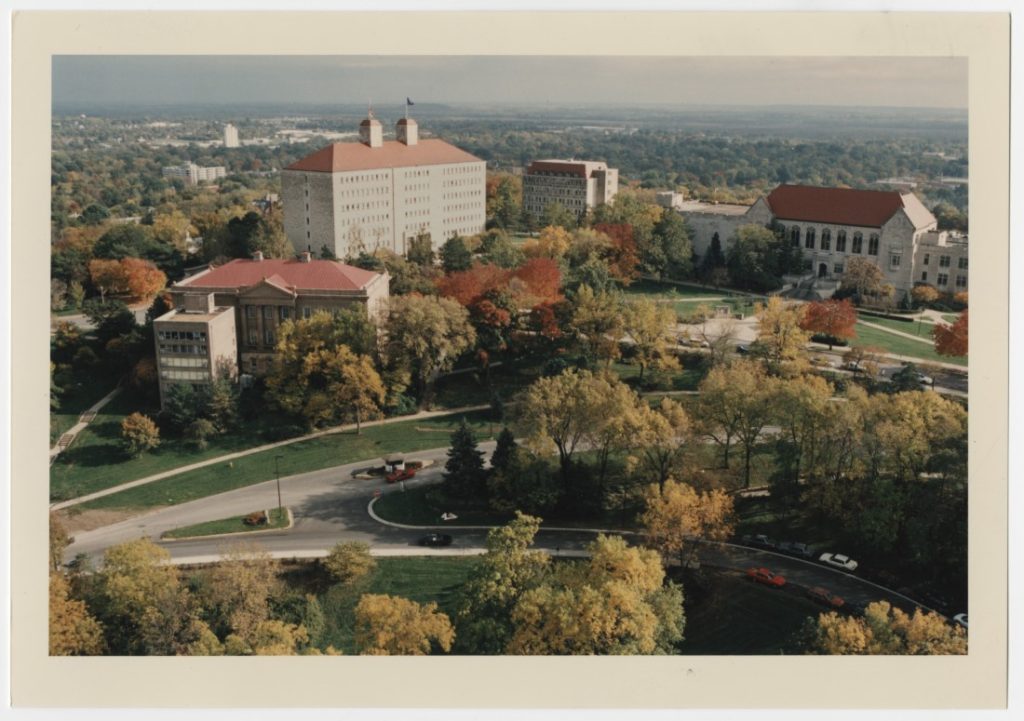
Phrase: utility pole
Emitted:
{"points": [[277, 472]]}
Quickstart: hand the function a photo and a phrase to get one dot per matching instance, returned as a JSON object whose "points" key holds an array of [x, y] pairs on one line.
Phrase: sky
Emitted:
{"points": [[829, 81]]}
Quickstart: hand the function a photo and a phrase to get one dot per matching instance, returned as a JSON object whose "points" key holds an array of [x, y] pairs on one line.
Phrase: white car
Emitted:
{"points": [[961, 619], [838, 560]]}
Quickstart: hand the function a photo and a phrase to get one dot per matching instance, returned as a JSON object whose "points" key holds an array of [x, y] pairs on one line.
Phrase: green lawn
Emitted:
{"points": [[468, 389], [655, 289], [728, 615], [419, 507], [950, 317], [899, 345], [324, 452], [76, 400], [235, 524], [95, 460], [922, 329]]}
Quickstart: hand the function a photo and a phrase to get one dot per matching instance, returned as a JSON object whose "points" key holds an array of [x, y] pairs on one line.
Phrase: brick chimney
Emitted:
{"points": [[258, 256]]}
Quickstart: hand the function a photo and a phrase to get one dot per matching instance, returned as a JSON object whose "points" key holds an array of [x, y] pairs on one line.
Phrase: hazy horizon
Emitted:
{"points": [[700, 83]]}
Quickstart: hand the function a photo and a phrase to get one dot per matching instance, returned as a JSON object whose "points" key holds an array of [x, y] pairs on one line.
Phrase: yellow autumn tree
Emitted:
{"points": [[676, 518], [552, 242], [391, 626], [884, 630], [73, 631]]}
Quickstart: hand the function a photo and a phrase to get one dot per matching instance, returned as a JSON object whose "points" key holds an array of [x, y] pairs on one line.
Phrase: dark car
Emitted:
{"points": [[742, 349], [800, 550], [436, 540], [758, 540]]}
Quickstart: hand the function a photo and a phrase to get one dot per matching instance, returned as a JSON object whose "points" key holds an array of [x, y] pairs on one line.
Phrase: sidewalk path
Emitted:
{"points": [[422, 415], [83, 420]]}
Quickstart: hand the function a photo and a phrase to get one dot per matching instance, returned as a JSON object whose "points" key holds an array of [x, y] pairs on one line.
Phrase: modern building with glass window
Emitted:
{"points": [[576, 185], [225, 319], [891, 228], [376, 193]]}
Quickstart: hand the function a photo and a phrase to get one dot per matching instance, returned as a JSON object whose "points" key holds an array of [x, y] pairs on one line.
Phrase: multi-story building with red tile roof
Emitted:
{"points": [[576, 185], [831, 225], [226, 318], [376, 193]]}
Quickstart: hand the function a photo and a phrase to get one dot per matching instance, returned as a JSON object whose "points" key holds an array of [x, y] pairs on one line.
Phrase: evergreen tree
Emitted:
{"points": [[464, 471], [326, 253], [505, 451], [712, 259], [455, 256], [421, 251]]}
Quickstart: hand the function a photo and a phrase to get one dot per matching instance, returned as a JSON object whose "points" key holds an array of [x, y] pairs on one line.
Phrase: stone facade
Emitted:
{"points": [[892, 229]]}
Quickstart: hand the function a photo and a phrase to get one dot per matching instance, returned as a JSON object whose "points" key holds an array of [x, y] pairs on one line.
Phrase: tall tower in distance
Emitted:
{"points": [[230, 136]]}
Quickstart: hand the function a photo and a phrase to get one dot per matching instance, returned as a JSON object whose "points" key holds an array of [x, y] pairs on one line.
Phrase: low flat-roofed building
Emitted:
{"points": [[195, 343]]}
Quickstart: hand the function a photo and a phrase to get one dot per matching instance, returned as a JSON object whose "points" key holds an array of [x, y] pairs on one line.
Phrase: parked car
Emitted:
{"points": [[838, 560], [763, 575], [961, 620], [925, 379], [801, 550], [825, 597], [742, 349], [758, 540], [697, 343], [402, 474], [852, 366], [436, 540]]}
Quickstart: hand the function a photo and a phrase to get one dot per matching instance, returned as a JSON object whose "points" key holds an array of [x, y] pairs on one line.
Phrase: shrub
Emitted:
{"points": [[256, 518], [403, 406], [139, 434]]}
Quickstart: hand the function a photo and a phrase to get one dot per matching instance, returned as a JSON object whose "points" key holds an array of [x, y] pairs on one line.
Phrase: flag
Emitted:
{"points": [[409, 102]]}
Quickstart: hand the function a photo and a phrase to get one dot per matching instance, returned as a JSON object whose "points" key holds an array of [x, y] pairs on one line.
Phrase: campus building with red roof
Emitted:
{"points": [[376, 193], [831, 225], [226, 318]]}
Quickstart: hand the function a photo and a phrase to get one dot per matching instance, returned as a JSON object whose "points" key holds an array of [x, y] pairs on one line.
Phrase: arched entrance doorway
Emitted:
{"points": [[822, 270]]}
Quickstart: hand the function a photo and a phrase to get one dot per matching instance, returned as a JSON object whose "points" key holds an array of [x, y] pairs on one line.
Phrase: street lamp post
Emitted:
{"points": [[277, 472]]}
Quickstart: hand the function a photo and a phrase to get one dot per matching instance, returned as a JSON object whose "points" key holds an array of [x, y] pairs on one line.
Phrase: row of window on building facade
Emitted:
{"points": [[826, 240]]}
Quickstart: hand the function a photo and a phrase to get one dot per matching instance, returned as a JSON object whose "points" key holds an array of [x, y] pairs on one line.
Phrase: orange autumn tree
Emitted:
{"points": [[833, 318], [622, 256], [469, 286], [144, 280], [108, 277], [541, 282], [951, 340]]}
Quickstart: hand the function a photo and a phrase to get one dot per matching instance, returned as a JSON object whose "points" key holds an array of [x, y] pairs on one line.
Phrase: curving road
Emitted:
{"points": [[330, 505]]}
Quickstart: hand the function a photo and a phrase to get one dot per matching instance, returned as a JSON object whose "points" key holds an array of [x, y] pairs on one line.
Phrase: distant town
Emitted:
{"points": [[414, 379]]}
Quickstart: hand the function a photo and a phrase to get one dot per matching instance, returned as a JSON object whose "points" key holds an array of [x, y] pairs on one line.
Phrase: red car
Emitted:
{"points": [[825, 597], [403, 474], [763, 575]]}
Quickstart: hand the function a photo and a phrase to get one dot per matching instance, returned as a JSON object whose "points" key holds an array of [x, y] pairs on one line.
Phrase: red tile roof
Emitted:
{"points": [[342, 157], [291, 274], [841, 206]]}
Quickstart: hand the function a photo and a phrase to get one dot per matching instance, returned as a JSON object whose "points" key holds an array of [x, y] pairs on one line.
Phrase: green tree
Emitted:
{"points": [[427, 334], [757, 259], [670, 253], [421, 251], [464, 475], [138, 435], [503, 574], [455, 256], [713, 259], [556, 214]]}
